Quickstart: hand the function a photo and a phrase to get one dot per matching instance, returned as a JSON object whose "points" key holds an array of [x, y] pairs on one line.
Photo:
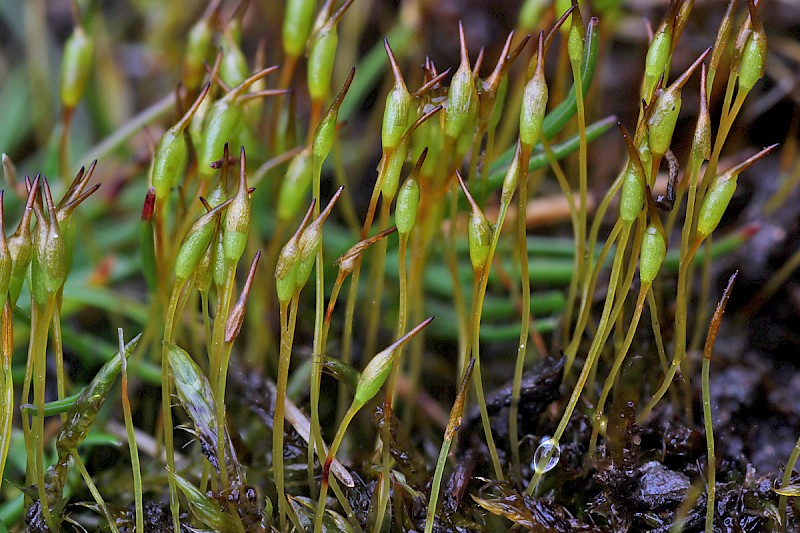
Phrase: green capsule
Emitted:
{"points": [[632, 197], [479, 232], [480, 239], [222, 123], [75, 66], [198, 49], [656, 66], [462, 96], [297, 20], [205, 509], [286, 285], [714, 205], [204, 272], [49, 266], [720, 193], [393, 168], [295, 185], [169, 162], [377, 370], [575, 38], [233, 69], [534, 104], [374, 375], [653, 252], [405, 212], [320, 62], [196, 243], [326, 130], [397, 108], [662, 120], [310, 241], [323, 138], [701, 142], [172, 153], [513, 174], [754, 56], [237, 218], [666, 108], [286, 268], [219, 267]]}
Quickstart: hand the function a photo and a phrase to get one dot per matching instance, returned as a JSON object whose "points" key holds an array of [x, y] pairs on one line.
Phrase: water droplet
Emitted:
{"points": [[547, 455]]}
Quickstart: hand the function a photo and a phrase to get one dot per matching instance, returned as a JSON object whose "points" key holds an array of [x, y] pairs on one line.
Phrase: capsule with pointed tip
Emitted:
{"points": [[720, 193], [666, 108], [754, 55], [397, 107], [534, 104], [49, 265], [237, 218], [377, 370], [462, 97], [196, 243]]}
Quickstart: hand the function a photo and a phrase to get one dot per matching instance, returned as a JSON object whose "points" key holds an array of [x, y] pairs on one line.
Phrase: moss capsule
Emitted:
{"points": [[534, 103], [714, 205], [462, 96], [377, 370], [196, 243], [233, 69], [666, 108], [49, 266], [397, 107], [391, 176], [320, 61], [720, 193], [754, 55], [654, 250], [632, 197], [297, 20], [405, 214], [75, 66], [479, 232], [172, 153], [237, 218]]}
